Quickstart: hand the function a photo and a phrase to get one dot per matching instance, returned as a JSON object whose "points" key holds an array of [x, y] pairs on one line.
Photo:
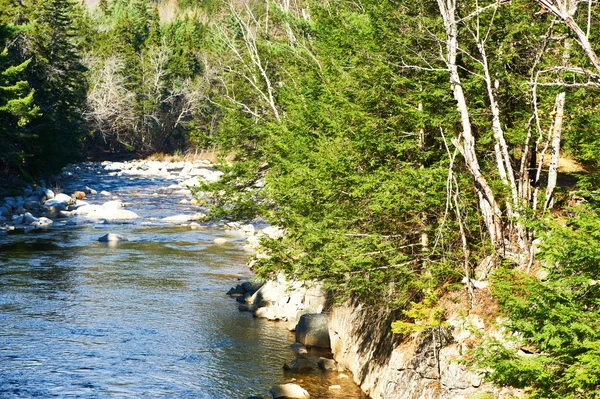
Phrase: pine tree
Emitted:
{"points": [[58, 77], [16, 109]]}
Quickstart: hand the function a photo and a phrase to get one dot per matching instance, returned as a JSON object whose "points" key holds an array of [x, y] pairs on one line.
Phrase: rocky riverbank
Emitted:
{"points": [[45, 205], [424, 366]]}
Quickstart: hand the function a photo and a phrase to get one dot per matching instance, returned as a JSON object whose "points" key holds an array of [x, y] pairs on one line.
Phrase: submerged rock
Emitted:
{"points": [[112, 237], [291, 391]]}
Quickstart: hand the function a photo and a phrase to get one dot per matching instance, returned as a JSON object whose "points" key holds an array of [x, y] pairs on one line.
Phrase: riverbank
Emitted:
{"points": [[69, 202], [160, 276], [429, 365]]}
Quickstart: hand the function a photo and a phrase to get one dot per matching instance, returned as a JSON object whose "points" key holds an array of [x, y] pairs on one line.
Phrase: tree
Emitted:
{"points": [[57, 76]]}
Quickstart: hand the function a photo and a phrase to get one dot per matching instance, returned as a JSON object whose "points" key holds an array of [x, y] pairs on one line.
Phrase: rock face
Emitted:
{"points": [[290, 391], [421, 368], [312, 330]]}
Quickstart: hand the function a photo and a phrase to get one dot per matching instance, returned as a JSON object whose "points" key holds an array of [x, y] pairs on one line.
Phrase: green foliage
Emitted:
{"points": [[426, 315], [557, 318]]}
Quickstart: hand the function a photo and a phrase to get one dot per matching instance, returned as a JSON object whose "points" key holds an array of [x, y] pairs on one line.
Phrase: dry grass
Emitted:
{"points": [[213, 156], [566, 164]]}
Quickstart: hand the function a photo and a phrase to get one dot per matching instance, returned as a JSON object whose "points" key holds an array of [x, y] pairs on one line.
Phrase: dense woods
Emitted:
{"points": [[408, 148]]}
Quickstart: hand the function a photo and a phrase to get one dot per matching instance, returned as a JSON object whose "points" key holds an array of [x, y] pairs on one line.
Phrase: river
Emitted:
{"points": [[143, 318]]}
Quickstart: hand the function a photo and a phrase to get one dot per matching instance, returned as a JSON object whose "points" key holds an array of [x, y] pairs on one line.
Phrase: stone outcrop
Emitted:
{"points": [[426, 366]]}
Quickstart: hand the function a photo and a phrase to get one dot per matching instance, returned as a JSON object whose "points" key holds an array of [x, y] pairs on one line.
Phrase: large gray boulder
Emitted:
{"points": [[290, 391], [312, 330]]}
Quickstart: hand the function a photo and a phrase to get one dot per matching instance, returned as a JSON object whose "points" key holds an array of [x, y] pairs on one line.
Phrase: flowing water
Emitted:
{"points": [[144, 318]]}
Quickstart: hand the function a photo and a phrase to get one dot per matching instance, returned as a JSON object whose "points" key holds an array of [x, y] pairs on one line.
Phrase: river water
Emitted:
{"points": [[144, 318]]}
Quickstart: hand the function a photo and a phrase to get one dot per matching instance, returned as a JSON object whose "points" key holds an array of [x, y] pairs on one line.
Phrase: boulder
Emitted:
{"points": [[28, 218], [32, 204], [112, 237], [105, 212], [312, 330], [105, 193], [88, 190], [79, 195], [290, 391], [300, 364], [4, 211], [326, 364], [64, 198], [220, 241], [252, 286], [43, 222], [49, 194], [55, 205]]}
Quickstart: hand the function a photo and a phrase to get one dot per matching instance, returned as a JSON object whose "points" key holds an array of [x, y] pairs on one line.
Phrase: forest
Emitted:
{"points": [[408, 148]]}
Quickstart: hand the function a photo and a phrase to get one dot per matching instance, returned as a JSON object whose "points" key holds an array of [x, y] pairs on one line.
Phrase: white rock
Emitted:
{"points": [[190, 183], [273, 232], [220, 241], [48, 193], [183, 201], [105, 193], [289, 391], [184, 218], [113, 204], [64, 198], [43, 222]]}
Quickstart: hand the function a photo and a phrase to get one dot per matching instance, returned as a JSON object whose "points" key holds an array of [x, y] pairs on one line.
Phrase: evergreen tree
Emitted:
{"points": [[58, 77]]}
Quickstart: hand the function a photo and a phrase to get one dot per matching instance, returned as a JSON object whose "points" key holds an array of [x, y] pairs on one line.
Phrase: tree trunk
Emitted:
{"points": [[489, 207]]}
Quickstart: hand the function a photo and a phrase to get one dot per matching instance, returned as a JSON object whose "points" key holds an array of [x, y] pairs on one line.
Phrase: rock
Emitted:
{"points": [[184, 218], [290, 391], [43, 222], [273, 232], [32, 204], [237, 290], [108, 211], [195, 226], [334, 387], [220, 241], [64, 198], [312, 330], [28, 218], [4, 211], [112, 237], [326, 364], [55, 205], [49, 194], [113, 204], [17, 219], [183, 201], [266, 313], [244, 307], [300, 364], [252, 286], [105, 193], [88, 190], [79, 195]]}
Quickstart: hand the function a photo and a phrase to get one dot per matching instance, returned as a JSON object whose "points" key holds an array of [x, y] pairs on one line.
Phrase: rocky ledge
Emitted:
{"points": [[423, 366]]}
